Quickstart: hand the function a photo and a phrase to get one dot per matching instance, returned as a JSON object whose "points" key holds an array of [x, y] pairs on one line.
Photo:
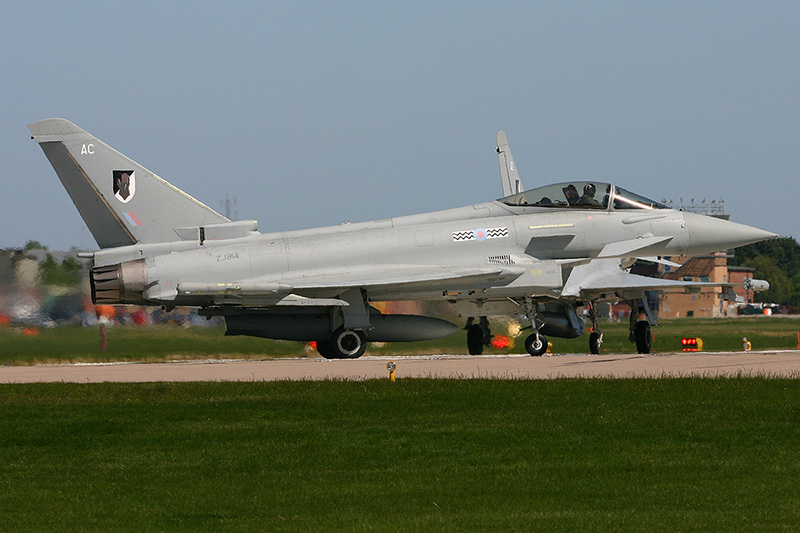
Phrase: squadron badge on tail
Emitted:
{"points": [[124, 185]]}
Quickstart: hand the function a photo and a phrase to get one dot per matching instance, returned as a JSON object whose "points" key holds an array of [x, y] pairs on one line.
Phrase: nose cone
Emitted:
{"points": [[710, 234]]}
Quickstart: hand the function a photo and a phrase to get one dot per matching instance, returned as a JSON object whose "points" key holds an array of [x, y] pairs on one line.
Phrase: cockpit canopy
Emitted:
{"points": [[581, 195]]}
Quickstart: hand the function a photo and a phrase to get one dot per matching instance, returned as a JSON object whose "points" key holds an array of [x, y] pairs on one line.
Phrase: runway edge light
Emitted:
{"points": [[692, 344]]}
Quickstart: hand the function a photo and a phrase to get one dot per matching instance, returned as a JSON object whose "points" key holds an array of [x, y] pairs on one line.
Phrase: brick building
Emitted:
{"points": [[704, 303]]}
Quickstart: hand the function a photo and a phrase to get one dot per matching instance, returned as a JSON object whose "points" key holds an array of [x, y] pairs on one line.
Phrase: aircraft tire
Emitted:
{"points": [[325, 350], [345, 344], [348, 343], [536, 348], [643, 336], [475, 339], [595, 342]]}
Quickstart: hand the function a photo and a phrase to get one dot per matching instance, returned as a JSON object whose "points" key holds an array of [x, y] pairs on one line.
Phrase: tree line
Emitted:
{"points": [[67, 273], [777, 261]]}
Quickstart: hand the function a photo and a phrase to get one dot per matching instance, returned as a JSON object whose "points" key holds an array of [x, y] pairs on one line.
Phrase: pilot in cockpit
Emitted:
{"points": [[588, 200]]}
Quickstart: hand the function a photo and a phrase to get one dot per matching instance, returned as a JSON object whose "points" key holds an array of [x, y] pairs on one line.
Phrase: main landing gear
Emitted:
{"points": [[596, 337], [640, 333], [348, 340], [344, 344], [642, 336], [478, 335]]}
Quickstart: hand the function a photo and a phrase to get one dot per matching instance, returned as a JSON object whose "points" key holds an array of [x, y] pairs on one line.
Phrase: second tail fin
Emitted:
{"points": [[509, 177], [121, 202]]}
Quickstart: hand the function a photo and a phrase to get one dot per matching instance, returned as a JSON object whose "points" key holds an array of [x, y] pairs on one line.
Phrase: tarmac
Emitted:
{"points": [[772, 364]]}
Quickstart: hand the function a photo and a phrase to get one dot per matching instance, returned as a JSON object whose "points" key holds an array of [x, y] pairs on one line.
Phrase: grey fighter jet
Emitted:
{"points": [[539, 254]]}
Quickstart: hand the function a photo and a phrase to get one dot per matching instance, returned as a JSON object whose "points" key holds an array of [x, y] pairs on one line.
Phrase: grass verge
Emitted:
{"points": [[158, 343], [446, 455]]}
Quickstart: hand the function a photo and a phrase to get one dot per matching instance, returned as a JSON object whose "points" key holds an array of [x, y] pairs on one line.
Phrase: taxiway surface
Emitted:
{"points": [[784, 363]]}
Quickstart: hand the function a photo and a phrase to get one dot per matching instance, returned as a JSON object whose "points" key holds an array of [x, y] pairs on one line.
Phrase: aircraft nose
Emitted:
{"points": [[711, 234]]}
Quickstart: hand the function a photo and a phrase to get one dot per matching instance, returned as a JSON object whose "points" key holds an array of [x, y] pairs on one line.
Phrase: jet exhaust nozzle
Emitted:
{"points": [[119, 284]]}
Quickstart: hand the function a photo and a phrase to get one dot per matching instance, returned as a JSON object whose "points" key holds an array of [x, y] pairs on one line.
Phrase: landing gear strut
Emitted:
{"points": [[596, 337], [536, 343]]}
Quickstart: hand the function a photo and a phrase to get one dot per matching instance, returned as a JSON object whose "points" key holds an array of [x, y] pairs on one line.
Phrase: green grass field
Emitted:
{"points": [[74, 344], [416, 455]]}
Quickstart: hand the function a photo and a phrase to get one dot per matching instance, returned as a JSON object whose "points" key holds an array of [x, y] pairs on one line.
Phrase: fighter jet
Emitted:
{"points": [[539, 255]]}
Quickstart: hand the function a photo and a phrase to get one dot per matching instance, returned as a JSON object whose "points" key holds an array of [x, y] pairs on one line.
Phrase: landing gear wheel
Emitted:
{"points": [[595, 342], [475, 340], [536, 346], [348, 343], [325, 350], [642, 336], [344, 344]]}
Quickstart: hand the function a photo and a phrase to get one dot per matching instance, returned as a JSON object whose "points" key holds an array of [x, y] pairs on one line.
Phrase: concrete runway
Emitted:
{"points": [[783, 363]]}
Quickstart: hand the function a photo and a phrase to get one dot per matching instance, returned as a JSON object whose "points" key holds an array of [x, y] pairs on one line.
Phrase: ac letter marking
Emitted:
{"points": [[87, 149]]}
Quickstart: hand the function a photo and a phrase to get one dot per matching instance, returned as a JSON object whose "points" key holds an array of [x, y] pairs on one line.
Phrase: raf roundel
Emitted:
{"points": [[480, 234]]}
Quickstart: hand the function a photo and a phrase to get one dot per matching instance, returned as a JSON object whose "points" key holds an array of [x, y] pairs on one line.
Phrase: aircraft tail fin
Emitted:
{"points": [[121, 202], [509, 177]]}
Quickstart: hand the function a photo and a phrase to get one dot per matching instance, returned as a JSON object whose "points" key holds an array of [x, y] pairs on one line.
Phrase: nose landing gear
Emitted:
{"points": [[596, 337], [536, 344]]}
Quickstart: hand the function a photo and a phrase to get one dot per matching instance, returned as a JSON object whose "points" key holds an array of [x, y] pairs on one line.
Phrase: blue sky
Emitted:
{"points": [[312, 113]]}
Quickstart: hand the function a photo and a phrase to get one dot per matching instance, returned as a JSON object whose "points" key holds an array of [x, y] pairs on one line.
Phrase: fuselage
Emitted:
{"points": [[536, 240]]}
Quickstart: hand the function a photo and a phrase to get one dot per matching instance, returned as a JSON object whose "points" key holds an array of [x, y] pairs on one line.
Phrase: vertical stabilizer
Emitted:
{"points": [[121, 202], [509, 177]]}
